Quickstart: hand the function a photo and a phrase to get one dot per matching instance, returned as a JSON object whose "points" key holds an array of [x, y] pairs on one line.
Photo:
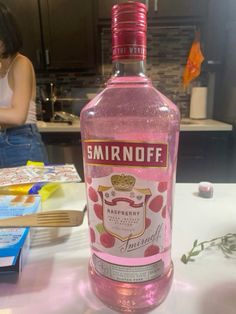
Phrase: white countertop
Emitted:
{"points": [[55, 278], [204, 125], [45, 127], [186, 125]]}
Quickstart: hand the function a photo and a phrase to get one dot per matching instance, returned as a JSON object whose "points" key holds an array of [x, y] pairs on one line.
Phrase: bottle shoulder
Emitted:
{"points": [[128, 109], [130, 99]]}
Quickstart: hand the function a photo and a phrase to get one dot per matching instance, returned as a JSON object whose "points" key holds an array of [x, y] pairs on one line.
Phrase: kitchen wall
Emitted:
{"points": [[167, 51], [168, 48]]}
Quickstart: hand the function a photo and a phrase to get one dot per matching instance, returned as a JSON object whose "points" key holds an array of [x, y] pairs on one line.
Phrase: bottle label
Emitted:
{"points": [[129, 217], [129, 51], [131, 274]]}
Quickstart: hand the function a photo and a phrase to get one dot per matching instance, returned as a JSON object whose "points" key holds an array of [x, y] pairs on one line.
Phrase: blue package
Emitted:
{"points": [[15, 242]]}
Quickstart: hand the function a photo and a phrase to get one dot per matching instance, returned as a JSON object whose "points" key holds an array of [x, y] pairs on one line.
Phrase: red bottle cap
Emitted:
{"points": [[129, 25]]}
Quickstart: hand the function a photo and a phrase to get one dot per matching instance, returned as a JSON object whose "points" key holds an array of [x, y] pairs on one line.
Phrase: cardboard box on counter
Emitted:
{"points": [[15, 242]]}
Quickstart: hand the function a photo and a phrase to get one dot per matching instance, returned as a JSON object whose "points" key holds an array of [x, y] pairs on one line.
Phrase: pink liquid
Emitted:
{"points": [[125, 297], [130, 109]]}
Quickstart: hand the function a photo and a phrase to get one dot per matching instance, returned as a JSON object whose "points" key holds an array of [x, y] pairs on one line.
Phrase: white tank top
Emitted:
{"points": [[6, 97]]}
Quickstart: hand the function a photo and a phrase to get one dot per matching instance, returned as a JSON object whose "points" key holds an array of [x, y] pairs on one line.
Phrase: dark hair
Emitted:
{"points": [[10, 33]]}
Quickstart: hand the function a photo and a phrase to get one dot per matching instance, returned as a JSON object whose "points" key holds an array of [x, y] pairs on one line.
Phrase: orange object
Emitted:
{"points": [[195, 59]]}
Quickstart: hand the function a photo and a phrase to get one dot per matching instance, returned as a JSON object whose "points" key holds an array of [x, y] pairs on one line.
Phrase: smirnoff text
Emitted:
{"points": [[126, 153], [133, 245]]}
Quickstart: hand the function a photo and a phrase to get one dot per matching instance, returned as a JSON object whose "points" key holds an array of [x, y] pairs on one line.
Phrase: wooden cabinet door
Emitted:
{"points": [[231, 10], [216, 33], [68, 32], [162, 8], [27, 16], [204, 156], [177, 8], [104, 8]]}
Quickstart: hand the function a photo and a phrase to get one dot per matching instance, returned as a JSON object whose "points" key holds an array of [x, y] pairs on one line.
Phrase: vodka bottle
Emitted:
{"points": [[130, 137]]}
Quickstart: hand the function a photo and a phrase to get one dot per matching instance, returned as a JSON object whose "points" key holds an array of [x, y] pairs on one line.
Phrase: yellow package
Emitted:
{"points": [[45, 190], [19, 189]]}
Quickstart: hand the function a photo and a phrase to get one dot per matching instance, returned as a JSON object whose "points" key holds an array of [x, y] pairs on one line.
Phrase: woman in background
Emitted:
{"points": [[20, 140]]}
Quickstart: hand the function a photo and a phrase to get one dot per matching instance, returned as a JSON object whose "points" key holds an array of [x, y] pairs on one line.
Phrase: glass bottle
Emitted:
{"points": [[130, 137]]}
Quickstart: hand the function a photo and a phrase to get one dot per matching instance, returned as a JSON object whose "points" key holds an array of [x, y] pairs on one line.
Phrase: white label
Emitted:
{"points": [[128, 216], [130, 274], [124, 213]]}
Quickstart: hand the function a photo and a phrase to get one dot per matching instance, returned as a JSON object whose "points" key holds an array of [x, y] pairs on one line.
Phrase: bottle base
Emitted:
{"points": [[129, 297]]}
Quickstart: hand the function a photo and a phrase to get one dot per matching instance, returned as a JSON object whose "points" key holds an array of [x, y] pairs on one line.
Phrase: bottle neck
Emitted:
{"points": [[129, 68], [129, 26]]}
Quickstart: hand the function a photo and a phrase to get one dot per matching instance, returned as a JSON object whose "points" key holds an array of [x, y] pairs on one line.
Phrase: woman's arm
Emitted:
{"points": [[21, 80]]}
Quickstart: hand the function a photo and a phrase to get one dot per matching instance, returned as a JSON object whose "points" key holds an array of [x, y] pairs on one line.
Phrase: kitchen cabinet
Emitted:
{"points": [[225, 92], [231, 10], [205, 156], [68, 33], [225, 77], [57, 34], [215, 32], [160, 8], [27, 15], [104, 8], [177, 8]]}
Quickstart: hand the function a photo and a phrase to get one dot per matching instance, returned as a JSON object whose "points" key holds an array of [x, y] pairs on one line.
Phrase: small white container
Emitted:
{"points": [[205, 189]]}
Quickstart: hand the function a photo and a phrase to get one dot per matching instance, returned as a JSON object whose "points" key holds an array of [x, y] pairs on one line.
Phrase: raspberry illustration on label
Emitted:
{"points": [[98, 211], [126, 218], [156, 204], [151, 250], [92, 194]]}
